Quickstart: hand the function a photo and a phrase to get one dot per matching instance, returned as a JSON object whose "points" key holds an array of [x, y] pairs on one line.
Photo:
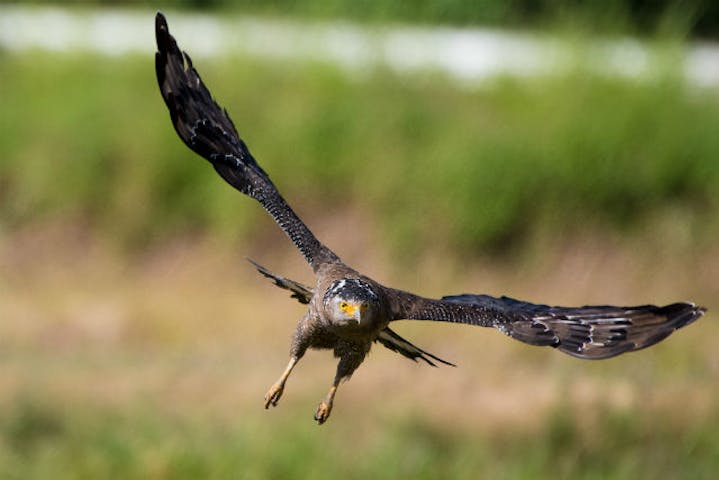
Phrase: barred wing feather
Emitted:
{"points": [[592, 332]]}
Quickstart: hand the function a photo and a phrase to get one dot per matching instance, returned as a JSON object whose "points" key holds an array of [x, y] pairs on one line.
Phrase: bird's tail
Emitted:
{"points": [[394, 342], [301, 292]]}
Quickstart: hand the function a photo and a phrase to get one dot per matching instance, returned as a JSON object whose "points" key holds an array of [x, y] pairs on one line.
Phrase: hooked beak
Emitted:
{"points": [[355, 311]]}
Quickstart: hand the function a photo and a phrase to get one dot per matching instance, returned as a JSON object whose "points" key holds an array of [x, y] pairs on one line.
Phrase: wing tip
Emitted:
{"points": [[166, 43], [162, 32], [676, 315], [168, 54], [681, 314], [160, 20]]}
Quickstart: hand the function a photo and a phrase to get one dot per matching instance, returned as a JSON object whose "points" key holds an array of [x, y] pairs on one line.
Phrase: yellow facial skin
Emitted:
{"points": [[353, 310]]}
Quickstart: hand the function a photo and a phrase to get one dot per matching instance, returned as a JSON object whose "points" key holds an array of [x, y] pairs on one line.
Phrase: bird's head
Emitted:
{"points": [[351, 301]]}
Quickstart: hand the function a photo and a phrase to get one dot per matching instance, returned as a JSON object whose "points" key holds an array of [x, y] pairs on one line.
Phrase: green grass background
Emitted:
{"points": [[508, 171], [471, 170], [41, 442]]}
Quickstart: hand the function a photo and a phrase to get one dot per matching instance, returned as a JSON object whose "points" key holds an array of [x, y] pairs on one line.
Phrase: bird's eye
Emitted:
{"points": [[343, 305]]}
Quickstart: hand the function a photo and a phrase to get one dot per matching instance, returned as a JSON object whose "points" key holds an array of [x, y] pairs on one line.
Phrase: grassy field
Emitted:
{"points": [[156, 368], [47, 443], [136, 342], [470, 170]]}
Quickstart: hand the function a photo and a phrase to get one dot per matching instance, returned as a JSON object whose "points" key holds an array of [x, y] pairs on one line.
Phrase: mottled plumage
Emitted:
{"points": [[347, 311]]}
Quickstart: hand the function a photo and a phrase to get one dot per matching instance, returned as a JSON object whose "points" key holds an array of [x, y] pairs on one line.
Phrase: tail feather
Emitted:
{"points": [[394, 342], [301, 292]]}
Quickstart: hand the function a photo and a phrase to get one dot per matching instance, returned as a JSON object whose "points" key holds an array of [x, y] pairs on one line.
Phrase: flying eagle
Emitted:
{"points": [[348, 311]]}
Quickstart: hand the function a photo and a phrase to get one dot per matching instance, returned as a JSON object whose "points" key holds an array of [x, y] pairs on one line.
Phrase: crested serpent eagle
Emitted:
{"points": [[348, 311]]}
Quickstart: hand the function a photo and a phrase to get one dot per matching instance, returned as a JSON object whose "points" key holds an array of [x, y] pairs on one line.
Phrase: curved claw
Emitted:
{"points": [[275, 392], [323, 412], [273, 395]]}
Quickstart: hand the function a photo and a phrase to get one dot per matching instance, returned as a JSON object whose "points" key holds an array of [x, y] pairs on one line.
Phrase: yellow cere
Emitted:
{"points": [[348, 308]]}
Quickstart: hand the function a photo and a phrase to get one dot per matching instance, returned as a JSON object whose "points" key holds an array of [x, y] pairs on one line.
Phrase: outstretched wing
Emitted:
{"points": [[206, 128], [591, 332]]}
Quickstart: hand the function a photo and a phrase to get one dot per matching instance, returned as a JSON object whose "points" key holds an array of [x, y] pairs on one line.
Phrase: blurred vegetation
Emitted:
{"points": [[437, 165], [693, 17], [88, 139], [42, 440]]}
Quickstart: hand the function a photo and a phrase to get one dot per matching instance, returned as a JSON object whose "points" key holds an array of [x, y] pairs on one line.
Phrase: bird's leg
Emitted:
{"points": [[351, 357], [323, 411], [299, 346], [275, 392]]}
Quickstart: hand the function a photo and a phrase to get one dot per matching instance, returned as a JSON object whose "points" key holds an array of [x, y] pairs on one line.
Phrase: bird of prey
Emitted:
{"points": [[348, 311]]}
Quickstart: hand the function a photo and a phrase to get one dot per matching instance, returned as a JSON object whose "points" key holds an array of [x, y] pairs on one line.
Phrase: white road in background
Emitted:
{"points": [[468, 55]]}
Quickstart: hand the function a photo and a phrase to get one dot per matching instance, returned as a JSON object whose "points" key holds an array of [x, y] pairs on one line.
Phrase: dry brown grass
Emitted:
{"points": [[192, 328]]}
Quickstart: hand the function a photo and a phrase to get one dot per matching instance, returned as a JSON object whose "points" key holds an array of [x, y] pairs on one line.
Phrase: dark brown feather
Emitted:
{"points": [[591, 332], [207, 129]]}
